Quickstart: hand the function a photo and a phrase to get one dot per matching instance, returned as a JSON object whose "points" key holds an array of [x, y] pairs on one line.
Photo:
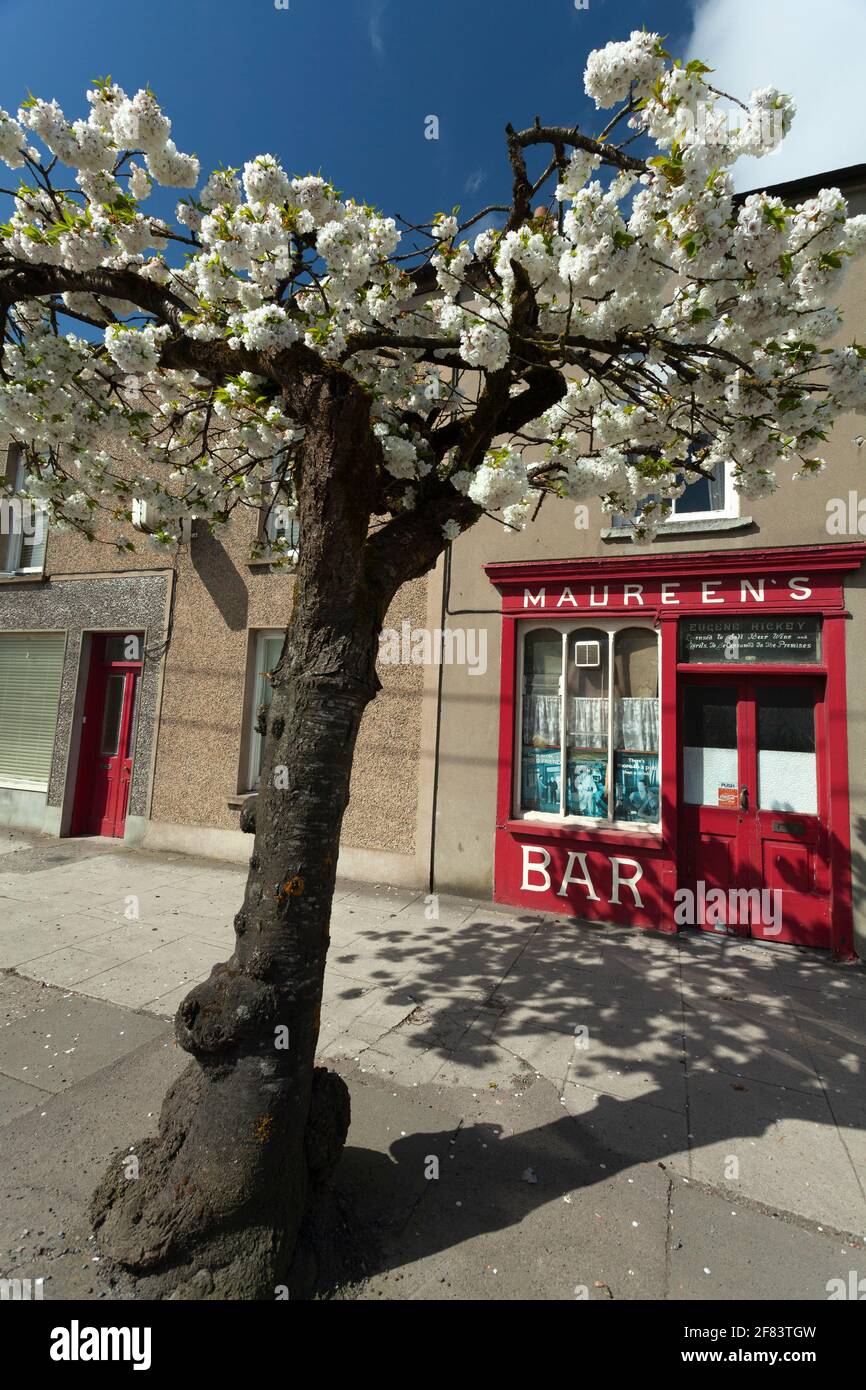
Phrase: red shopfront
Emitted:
{"points": [[673, 743]]}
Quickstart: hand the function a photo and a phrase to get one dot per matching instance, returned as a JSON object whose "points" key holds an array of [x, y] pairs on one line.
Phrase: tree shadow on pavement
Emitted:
{"points": [[609, 1048]]}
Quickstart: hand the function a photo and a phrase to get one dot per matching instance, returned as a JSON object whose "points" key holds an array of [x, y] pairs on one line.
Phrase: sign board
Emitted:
{"points": [[765, 638]]}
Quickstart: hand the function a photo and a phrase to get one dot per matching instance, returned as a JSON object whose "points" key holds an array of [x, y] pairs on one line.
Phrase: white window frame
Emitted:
{"points": [[565, 626], [256, 742], [280, 522], [146, 520], [14, 541], [730, 509], [279, 519]]}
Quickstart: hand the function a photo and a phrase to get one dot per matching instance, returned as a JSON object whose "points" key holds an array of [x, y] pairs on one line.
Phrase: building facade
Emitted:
{"points": [[668, 734]]}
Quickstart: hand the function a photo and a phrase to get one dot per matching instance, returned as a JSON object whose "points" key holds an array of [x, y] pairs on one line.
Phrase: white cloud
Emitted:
{"points": [[813, 49], [374, 26]]}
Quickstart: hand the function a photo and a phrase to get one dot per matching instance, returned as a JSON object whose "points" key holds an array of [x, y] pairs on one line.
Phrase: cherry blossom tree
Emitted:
{"points": [[628, 326]]}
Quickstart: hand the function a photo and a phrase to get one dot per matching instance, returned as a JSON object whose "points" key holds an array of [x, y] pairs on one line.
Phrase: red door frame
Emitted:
{"points": [[672, 586], [119, 778]]}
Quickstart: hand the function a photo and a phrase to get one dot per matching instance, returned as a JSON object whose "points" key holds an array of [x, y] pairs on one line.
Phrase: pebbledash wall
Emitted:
{"points": [[571, 571]]}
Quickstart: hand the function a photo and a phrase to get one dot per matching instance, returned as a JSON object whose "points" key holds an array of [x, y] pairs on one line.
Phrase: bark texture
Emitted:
{"points": [[250, 1126]]}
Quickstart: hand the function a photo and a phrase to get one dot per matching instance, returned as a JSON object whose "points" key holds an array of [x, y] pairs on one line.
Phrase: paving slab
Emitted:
{"points": [[68, 1039], [718, 1248]]}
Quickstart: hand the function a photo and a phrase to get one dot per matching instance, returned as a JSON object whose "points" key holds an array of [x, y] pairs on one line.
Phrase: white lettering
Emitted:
{"points": [[666, 592], [567, 597], [568, 878], [709, 587], [531, 600], [632, 590], [539, 866], [623, 879], [593, 601], [746, 584], [799, 588]]}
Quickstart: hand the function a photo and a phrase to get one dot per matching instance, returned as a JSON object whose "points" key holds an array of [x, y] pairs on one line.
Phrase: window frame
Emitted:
{"points": [[271, 525], [255, 740], [730, 510], [16, 468], [610, 626]]}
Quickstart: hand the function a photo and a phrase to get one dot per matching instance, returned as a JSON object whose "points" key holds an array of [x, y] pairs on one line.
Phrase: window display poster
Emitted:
{"points": [[586, 789], [542, 773], [636, 793]]}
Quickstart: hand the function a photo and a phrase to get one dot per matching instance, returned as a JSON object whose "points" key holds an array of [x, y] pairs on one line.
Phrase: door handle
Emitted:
{"points": [[744, 798]]}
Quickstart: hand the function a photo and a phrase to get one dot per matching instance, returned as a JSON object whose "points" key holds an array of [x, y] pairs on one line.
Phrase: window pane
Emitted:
{"points": [[123, 648], [268, 652], [787, 771], [112, 715], [710, 764], [587, 722], [636, 725], [703, 494], [541, 756]]}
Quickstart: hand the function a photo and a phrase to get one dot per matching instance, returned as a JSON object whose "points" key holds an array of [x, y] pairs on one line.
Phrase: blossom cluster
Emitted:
{"points": [[690, 327]]}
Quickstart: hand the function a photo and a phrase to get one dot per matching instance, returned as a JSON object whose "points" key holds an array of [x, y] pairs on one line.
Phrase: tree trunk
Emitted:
{"points": [[247, 1128]]}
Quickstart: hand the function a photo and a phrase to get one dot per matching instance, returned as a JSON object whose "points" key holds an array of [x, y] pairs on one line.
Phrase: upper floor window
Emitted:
{"points": [[23, 522], [575, 759], [281, 530], [704, 499]]}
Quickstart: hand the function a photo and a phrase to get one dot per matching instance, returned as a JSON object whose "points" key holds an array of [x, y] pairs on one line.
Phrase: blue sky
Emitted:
{"points": [[344, 86]]}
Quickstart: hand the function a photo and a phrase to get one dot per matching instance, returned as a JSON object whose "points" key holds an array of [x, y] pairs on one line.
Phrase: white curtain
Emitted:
{"points": [[636, 724], [541, 720], [587, 722]]}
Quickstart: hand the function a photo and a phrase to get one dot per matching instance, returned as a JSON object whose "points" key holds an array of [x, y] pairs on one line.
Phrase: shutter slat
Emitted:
{"points": [[31, 670]]}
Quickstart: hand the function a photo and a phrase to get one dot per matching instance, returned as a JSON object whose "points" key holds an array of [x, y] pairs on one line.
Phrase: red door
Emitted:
{"points": [[754, 808], [108, 736]]}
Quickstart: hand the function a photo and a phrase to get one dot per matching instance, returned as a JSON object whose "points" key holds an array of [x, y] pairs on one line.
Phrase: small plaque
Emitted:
{"points": [[789, 827], [729, 796]]}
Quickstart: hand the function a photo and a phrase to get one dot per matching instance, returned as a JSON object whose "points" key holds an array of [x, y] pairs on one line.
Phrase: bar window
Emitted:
{"points": [[541, 761], [587, 705], [576, 761], [636, 725]]}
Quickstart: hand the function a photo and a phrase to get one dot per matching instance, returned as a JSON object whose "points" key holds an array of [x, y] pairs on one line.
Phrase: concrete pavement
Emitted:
{"points": [[540, 1109]]}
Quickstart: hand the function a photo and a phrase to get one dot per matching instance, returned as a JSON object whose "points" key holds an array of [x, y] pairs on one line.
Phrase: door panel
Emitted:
{"points": [[790, 824], [753, 807], [107, 742], [711, 811]]}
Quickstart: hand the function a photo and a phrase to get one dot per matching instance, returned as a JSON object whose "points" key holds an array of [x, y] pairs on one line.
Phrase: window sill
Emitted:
{"points": [[24, 577], [638, 838], [236, 802], [269, 561], [710, 525]]}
